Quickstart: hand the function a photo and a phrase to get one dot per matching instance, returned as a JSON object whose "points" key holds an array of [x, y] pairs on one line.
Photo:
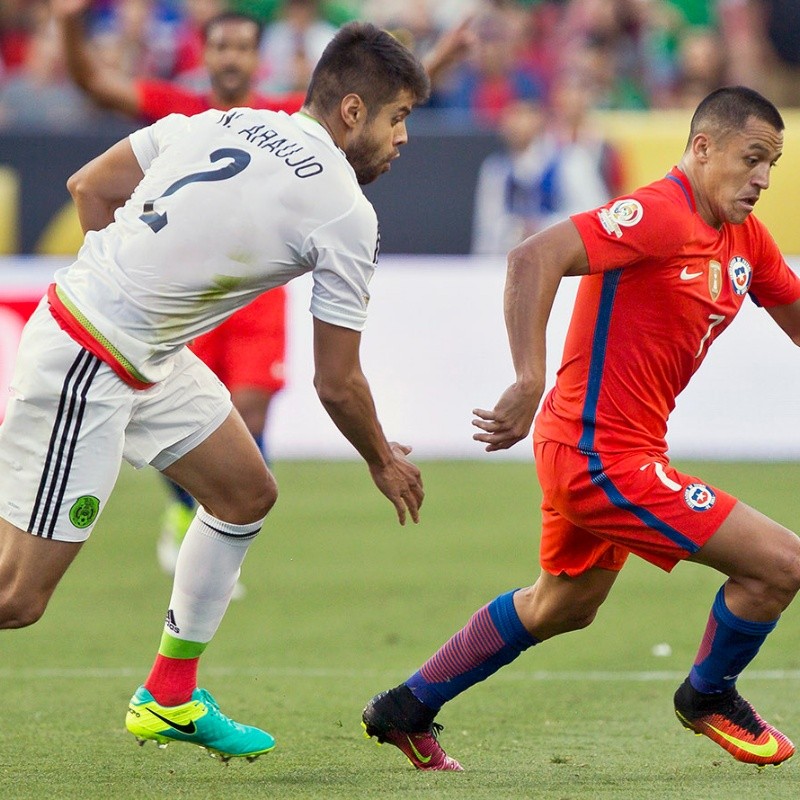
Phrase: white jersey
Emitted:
{"points": [[231, 204]]}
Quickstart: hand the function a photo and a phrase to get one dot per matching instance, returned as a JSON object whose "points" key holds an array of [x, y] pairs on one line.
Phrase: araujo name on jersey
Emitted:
{"points": [[289, 152]]}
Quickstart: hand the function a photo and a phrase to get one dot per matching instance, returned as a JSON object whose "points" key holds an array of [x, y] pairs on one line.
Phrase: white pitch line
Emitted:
{"points": [[322, 673]]}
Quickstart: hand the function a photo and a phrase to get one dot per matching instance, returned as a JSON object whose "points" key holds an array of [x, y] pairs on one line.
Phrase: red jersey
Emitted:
{"points": [[159, 98], [663, 284]]}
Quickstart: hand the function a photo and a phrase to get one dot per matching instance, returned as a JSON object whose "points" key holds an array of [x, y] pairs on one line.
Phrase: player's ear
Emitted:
{"points": [[700, 147], [353, 110]]}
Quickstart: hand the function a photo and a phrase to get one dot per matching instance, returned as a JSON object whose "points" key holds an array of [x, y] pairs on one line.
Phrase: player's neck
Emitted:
{"points": [[309, 113]]}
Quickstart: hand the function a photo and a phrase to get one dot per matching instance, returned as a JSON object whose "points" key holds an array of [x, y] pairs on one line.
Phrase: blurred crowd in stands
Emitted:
{"points": [[535, 72], [628, 54]]}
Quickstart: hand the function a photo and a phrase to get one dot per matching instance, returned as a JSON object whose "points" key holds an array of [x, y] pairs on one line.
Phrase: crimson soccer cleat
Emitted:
{"points": [[390, 717], [730, 721]]}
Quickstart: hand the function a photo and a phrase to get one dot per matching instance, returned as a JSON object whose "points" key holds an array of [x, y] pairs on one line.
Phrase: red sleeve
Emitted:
{"points": [[774, 282], [157, 99], [633, 229]]}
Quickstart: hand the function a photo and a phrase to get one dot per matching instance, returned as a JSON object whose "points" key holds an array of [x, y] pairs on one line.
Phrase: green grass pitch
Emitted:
{"points": [[341, 603]]}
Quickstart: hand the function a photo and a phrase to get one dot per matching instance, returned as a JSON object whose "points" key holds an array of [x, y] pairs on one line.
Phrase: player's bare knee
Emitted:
{"points": [[254, 503], [785, 578], [20, 612], [781, 578], [266, 497]]}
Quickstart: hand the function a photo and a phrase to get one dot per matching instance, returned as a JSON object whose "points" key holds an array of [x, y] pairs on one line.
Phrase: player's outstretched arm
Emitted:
{"points": [[535, 270], [106, 86], [452, 47], [346, 396]]}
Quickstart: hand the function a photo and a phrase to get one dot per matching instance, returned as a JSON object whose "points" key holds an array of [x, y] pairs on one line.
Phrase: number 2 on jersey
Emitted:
{"points": [[241, 159]]}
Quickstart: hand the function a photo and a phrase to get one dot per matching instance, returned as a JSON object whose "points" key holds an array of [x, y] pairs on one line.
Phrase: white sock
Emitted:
{"points": [[208, 567]]}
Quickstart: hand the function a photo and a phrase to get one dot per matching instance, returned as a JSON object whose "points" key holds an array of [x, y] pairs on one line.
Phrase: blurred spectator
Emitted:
{"points": [[605, 41], [597, 62], [505, 201], [137, 36], [230, 56], [743, 27], [414, 22], [701, 66], [783, 34], [18, 20], [189, 36], [496, 75], [564, 168], [39, 93], [293, 44]]}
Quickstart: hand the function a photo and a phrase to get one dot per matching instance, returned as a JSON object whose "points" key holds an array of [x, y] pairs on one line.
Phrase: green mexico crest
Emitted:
{"points": [[84, 511]]}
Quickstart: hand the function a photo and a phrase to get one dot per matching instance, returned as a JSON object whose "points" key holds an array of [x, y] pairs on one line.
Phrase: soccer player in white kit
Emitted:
{"points": [[188, 220]]}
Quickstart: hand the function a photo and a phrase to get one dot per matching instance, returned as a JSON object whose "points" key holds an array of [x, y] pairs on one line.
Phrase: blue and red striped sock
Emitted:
{"points": [[493, 637], [729, 644]]}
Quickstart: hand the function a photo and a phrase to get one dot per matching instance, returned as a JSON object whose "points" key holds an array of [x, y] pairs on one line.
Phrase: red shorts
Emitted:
{"points": [[249, 348], [598, 509]]}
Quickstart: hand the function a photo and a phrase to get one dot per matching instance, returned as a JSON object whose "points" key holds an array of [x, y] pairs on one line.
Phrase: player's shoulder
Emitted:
{"points": [[669, 197]]}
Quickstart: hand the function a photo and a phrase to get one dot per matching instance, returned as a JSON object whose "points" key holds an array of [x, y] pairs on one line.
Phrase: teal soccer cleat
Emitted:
{"points": [[197, 722]]}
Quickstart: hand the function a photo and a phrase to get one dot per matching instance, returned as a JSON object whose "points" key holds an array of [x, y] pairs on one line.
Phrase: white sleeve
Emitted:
{"points": [[344, 253], [148, 142]]}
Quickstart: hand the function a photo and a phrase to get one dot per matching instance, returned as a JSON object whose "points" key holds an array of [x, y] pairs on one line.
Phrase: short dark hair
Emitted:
{"points": [[727, 110], [362, 59], [232, 16]]}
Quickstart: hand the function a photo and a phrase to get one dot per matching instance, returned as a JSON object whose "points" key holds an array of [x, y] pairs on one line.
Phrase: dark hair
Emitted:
{"points": [[365, 60], [727, 110], [232, 16]]}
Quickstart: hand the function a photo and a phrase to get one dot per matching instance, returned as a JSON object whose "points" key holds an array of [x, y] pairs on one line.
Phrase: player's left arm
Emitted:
{"points": [[103, 185], [788, 318], [345, 394]]}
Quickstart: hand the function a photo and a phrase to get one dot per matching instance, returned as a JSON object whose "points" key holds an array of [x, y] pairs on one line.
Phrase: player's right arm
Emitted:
{"points": [[103, 185], [535, 269], [105, 86], [346, 396]]}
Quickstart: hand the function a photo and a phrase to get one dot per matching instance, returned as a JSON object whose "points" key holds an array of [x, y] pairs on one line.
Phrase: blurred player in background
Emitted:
{"points": [[247, 352], [188, 220], [666, 271]]}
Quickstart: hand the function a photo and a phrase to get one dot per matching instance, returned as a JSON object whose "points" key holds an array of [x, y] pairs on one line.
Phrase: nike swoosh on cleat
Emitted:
{"points": [[769, 748], [190, 728], [417, 753]]}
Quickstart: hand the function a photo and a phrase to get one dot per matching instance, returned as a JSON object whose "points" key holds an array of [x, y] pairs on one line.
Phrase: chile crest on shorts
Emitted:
{"points": [[741, 273], [699, 497]]}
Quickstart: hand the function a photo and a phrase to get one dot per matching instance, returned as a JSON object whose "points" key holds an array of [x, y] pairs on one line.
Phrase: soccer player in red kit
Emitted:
{"points": [[665, 271]]}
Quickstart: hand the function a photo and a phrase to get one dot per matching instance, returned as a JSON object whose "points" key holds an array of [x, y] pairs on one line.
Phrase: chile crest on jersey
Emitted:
{"points": [[740, 273]]}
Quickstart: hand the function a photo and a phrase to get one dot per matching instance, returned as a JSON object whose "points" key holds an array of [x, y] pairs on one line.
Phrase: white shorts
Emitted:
{"points": [[71, 420]]}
